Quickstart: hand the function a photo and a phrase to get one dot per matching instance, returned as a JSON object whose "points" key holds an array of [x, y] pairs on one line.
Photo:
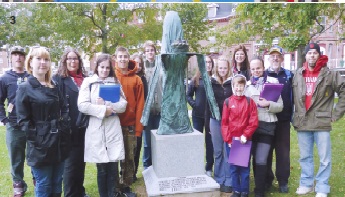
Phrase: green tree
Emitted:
{"points": [[294, 24]]}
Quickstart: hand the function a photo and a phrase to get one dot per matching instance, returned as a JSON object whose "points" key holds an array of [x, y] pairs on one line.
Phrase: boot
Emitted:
{"points": [[55, 195], [260, 178]]}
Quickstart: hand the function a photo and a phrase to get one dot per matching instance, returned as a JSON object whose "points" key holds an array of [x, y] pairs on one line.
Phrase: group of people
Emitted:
{"points": [[306, 100], [44, 113]]}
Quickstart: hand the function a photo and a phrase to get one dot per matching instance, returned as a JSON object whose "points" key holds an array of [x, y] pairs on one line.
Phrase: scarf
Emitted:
{"points": [[77, 78]]}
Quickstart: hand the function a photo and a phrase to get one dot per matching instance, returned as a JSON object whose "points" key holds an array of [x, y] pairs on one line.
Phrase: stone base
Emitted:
{"points": [[189, 186], [178, 155], [178, 167]]}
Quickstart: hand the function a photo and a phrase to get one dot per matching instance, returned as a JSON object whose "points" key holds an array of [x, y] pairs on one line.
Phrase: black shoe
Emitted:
{"points": [[244, 194], [283, 189], [129, 194], [135, 178], [236, 194], [226, 189]]}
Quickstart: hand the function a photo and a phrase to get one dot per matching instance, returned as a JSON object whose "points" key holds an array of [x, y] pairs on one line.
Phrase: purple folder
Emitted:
{"points": [[240, 153], [271, 91]]}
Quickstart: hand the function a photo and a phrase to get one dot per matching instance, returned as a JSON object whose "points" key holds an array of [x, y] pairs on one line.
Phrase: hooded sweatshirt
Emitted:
{"points": [[134, 91], [310, 77]]}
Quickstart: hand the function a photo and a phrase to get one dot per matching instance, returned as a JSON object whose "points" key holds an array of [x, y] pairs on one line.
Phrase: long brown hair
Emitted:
{"points": [[142, 71], [105, 57], [62, 70], [245, 64], [212, 62]]}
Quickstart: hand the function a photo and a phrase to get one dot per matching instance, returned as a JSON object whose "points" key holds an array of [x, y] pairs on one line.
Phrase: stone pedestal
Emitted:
{"points": [[178, 166]]}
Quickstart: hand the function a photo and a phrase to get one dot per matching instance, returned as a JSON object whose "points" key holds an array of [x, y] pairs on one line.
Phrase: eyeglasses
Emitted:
{"points": [[208, 62], [150, 50], [72, 59]]}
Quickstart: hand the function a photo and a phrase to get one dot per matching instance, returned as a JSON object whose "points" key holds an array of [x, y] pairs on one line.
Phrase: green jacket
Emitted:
{"points": [[321, 112]]}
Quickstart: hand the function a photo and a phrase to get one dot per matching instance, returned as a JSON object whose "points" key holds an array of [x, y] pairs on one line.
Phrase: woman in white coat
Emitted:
{"points": [[103, 137]]}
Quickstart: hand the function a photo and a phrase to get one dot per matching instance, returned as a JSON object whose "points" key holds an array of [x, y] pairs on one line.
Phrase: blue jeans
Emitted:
{"points": [[48, 179], [222, 173], [199, 124], [16, 143], [240, 176], [306, 141], [152, 124]]}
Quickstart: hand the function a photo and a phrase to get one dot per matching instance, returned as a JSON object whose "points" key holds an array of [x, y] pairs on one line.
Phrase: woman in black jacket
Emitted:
{"points": [[43, 115], [69, 78], [221, 85], [196, 98]]}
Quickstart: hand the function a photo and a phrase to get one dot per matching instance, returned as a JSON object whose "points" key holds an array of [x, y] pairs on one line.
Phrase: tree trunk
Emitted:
{"points": [[300, 56]]}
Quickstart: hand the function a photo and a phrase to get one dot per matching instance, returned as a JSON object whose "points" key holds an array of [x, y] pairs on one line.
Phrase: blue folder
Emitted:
{"points": [[110, 92]]}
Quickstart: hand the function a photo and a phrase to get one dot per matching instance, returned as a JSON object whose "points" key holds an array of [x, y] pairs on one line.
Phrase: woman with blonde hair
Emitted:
{"points": [[43, 115], [240, 62], [221, 85]]}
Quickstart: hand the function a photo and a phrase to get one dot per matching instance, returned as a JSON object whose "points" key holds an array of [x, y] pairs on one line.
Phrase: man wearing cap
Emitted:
{"points": [[15, 138], [314, 86], [281, 141]]}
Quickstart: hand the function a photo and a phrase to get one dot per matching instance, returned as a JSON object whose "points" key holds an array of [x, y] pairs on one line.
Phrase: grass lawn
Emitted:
{"points": [[336, 181]]}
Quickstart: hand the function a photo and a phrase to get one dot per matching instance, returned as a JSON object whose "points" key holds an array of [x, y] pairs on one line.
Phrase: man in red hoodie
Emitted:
{"points": [[314, 86], [133, 88]]}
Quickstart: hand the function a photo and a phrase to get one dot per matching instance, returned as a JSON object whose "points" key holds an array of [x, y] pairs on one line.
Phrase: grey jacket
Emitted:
{"points": [[267, 114], [321, 112]]}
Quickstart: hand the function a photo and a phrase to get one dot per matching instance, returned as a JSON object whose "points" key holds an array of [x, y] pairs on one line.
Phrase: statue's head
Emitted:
{"points": [[172, 31]]}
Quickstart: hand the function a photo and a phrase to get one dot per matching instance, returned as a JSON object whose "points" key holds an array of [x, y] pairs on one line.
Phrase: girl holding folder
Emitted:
{"points": [[263, 136], [103, 138]]}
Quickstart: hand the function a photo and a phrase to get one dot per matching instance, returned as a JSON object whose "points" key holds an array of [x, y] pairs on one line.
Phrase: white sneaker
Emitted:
{"points": [[321, 195], [209, 173], [303, 190]]}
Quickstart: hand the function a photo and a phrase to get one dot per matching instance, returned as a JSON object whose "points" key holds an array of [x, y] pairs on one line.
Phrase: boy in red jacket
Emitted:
{"points": [[239, 121]]}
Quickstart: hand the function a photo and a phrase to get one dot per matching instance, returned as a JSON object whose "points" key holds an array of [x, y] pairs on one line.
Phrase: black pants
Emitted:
{"points": [[137, 154], [281, 145], [73, 177], [107, 174], [260, 149]]}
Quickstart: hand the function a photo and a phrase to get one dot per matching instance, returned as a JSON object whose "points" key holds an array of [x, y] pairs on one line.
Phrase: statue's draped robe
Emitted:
{"points": [[174, 112]]}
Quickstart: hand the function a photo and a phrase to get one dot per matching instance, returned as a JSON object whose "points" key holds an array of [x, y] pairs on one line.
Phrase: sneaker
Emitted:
{"points": [[283, 189], [236, 194], [226, 189], [129, 194], [18, 189], [303, 190], [321, 195], [244, 194], [209, 173]]}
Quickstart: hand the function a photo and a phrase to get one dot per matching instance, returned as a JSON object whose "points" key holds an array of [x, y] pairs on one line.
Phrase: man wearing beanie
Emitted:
{"points": [[15, 138], [314, 86]]}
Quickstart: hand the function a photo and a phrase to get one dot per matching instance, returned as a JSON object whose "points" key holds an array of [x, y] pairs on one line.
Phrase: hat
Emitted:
{"points": [[276, 49], [18, 49], [312, 46]]}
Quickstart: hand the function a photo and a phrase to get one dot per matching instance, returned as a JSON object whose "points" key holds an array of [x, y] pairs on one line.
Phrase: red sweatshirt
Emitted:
{"points": [[310, 78]]}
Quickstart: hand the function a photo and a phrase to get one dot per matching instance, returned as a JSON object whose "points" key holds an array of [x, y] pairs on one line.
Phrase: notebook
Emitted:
{"points": [[110, 92]]}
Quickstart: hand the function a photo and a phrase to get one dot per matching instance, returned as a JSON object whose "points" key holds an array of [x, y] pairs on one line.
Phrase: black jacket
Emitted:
{"points": [[8, 87], [286, 94], [70, 92], [198, 103], [221, 92], [43, 115]]}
